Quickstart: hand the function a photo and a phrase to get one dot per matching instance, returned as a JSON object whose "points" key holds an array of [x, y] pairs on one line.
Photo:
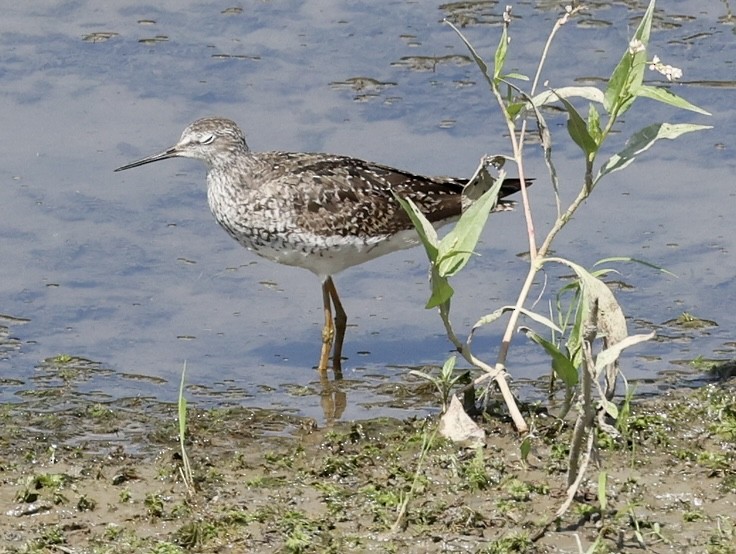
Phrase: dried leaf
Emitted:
{"points": [[457, 426]]}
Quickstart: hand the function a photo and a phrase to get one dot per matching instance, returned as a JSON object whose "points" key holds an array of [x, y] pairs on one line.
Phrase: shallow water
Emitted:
{"points": [[131, 271]]}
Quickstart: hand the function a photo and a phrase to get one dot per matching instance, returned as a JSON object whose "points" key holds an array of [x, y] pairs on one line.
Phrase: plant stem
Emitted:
{"points": [[498, 373]]}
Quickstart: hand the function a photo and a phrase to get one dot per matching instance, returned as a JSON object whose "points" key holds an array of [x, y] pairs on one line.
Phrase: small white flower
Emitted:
{"points": [[670, 72], [636, 46], [507, 15], [674, 73]]}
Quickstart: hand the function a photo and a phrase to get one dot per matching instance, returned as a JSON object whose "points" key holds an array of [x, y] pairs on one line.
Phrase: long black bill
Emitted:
{"points": [[170, 153]]}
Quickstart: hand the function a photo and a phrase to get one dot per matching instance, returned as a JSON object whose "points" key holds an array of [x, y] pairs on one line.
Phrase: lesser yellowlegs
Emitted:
{"points": [[322, 212]]}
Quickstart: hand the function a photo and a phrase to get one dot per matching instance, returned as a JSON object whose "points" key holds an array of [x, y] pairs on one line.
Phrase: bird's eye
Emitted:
{"points": [[207, 139]]}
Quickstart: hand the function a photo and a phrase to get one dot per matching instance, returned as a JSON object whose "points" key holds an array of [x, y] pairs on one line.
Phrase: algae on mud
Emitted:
{"points": [[104, 477]]}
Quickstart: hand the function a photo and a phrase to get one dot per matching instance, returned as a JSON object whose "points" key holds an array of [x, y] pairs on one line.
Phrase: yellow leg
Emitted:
{"points": [[341, 320], [328, 331]]}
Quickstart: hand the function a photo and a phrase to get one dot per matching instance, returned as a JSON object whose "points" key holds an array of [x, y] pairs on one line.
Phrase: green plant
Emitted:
{"points": [[513, 542], [164, 547], [475, 472], [185, 469], [723, 540], [427, 440], [645, 532], [595, 325], [154, 504], [86, 504], [125, 495], [444, 382]]}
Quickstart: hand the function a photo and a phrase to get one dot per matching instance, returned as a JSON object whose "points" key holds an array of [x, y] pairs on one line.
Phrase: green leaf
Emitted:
{"points": [[525, 448], [616, 93], [602, 498], [645, 25], [611, 354], [517, 76], [578, 129], [457, 246], [182, 405], [575, 338], [539, 318], [500, 55], [610, 320], [664, 95], [643, 140], [478, 60], [448, 367], [635, 260], [425, 376], [551, 96], [441, 289], [610, 408], [594, 124], [425, 230], [514, 108], [626, 79], [561, 364], [488, 318]]}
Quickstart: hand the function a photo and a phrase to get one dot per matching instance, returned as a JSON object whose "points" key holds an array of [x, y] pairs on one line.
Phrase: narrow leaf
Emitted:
{"points": [[457, 246], [578, 129], [575, 338], [594, 124], [539, 318], [616, 90], [645, 25], [441, 289], [525, 448], [635, 260], [561, 364], [612, 353], [643, 140], [517, 76], [478, 60], [662, 94], [488, 318], [422, 375], [611, 320], [548, 97], [627, 78], [425, 230], [481, 182], [182, 404], [602, 498], [514, 109], [501, 51], [611, 408], [449, 366]]}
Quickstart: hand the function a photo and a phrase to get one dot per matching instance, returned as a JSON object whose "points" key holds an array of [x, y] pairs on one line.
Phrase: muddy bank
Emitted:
{"points": [[92, 477]]}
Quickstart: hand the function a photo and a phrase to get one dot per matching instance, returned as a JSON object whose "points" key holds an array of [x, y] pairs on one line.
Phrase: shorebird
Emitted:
{"points": [[321, 212]]}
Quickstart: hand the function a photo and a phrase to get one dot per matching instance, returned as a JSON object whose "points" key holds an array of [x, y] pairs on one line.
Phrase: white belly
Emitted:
{"points": [[326, 257]]}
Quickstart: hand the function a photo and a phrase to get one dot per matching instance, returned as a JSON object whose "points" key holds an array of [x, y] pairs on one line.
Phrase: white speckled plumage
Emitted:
{"points": [[322, 212]]}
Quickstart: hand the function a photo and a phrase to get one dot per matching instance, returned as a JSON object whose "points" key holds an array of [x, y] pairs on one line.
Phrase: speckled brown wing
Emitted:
{"points": [[351, 197]]}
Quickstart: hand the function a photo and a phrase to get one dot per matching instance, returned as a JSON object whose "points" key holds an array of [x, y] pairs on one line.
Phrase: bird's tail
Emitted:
{"points": [[511, 186]]}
